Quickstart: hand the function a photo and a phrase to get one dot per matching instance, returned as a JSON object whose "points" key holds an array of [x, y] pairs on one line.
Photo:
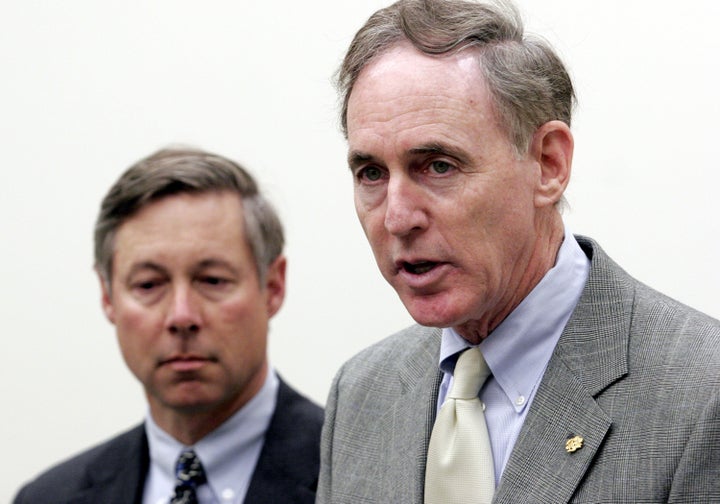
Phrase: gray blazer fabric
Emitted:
{"points": [[635, 373], [114, 472]]}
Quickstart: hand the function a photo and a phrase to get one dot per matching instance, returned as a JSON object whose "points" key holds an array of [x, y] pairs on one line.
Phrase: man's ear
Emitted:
{"points": [[106, 297], [275, 285], [552, 148]]}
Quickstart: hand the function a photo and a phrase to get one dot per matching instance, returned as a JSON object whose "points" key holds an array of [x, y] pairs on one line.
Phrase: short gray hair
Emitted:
{"points": [[184, 170], [526, 79]]}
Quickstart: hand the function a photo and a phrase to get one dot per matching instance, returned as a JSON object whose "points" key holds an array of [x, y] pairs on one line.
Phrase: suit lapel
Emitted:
{"points": [[540, 469], [590, 355], [406, 427]]}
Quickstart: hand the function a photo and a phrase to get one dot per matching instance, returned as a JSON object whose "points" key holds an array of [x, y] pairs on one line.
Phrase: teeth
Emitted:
{"points": [[419, 268]]}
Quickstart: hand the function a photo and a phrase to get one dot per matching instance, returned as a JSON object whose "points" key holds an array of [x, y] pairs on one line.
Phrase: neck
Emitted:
{"points": [[541, 259], [191, 428]]}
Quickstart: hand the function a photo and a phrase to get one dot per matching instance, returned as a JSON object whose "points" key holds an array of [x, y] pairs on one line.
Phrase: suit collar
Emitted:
{"points": [[590, 355], [594, 344]]}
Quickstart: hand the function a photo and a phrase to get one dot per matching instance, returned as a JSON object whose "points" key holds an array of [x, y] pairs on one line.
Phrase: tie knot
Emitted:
{"points": [[189, 469], [471, 371]]}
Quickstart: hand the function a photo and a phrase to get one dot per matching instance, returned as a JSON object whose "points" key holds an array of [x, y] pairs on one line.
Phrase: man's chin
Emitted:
{"points": [[190, 397], [429, 312]]}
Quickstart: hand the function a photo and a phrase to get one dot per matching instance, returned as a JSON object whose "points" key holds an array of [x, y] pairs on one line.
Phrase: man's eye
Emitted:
{"points": [[147, 288], [214, 281], [146, 285], [440, 167], [370, 173]]}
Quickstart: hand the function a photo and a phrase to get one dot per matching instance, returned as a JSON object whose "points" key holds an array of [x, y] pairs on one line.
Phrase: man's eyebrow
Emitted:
{"points": [[356, 158], [145, 265], [216, 263], [443, 149]]}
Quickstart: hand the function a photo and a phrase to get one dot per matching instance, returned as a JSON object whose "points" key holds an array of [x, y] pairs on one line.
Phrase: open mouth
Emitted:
{"points": [[418, 268]]}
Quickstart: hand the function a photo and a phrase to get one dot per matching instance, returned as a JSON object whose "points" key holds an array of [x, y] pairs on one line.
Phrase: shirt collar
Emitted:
{"points": [[519, 349]]}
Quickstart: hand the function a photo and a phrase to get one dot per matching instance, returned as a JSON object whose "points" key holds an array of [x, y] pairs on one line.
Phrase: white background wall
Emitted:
{"points": [[88, 87]]}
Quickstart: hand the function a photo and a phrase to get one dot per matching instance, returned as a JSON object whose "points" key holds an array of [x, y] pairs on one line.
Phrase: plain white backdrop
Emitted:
{"points": [[88, 87]]}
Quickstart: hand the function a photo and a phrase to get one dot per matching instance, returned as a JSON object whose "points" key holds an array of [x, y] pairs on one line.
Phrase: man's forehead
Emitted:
{"points": [[187, 217], [405, 80], [391, 112], [403, 58], [167, 206]]}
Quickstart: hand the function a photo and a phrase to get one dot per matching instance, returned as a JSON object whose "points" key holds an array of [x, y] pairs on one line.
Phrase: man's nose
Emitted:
{"points": [[405, 206], [184, 316]]}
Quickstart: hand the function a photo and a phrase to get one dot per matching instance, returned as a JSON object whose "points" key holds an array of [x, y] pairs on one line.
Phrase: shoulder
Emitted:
{"points": [[647, 303], [73, 475], [395, 361], [664, 333], [412, 343], [682, 338]]}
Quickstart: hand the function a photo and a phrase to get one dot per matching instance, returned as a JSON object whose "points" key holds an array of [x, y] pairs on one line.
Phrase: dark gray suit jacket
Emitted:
{"points": [[114, 472], [636, 374]]}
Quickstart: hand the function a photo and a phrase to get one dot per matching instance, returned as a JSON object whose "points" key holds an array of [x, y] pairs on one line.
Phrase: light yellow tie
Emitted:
{"points": [[460, 466]]}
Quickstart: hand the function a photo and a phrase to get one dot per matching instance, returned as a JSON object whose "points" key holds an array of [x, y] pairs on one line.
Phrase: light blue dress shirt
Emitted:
{"points": [[519, 349], [229, 454]]}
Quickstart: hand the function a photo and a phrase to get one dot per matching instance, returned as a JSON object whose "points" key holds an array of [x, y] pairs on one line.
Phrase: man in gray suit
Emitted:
{"points": [[189, 257], [602, 389]]}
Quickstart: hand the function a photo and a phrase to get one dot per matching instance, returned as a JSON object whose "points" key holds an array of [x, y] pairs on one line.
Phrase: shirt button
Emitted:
{"points": [[228, 494], [520, 400]]}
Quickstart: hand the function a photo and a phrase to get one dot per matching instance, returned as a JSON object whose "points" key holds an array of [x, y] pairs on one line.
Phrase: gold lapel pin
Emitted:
{"points": [[573, 444]]}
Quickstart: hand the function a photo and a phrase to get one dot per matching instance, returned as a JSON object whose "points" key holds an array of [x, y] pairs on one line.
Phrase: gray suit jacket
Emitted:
{"points": [[114, 472], [636, 374]]}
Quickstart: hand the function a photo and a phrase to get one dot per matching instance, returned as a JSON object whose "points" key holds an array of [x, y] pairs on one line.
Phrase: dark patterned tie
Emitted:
{"points": [[189, 474]]}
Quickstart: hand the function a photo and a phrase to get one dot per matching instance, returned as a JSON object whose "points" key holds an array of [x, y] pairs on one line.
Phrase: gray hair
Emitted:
{"points": [[183, 170], [526, 79]]}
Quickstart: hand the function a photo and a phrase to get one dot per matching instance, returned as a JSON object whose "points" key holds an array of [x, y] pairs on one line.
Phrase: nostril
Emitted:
{"points": [[182, 330]]}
